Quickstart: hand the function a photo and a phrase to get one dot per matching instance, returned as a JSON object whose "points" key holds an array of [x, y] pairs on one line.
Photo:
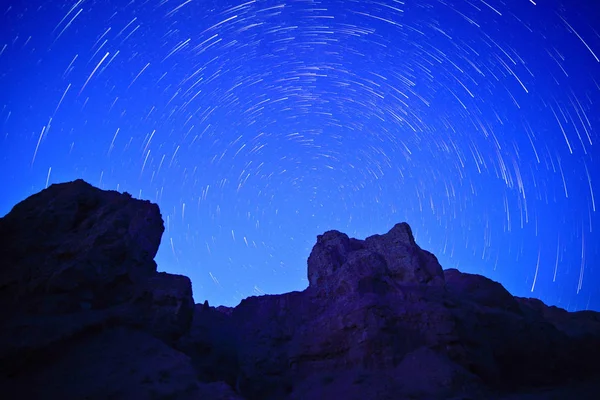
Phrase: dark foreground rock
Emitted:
{"points": [[85, 315]]}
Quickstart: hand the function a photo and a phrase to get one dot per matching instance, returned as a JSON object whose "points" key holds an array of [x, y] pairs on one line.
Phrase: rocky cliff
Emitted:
{"points": [[85, 315]]}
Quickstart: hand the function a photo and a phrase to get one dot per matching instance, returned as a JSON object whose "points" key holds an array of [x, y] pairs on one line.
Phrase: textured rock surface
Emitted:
{"points": [[77, 262], [382, 320], [339, 265], [85, 315]]}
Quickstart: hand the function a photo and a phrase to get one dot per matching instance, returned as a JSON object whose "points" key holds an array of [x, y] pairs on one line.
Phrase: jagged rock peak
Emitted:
{"points": [[341, 265]]}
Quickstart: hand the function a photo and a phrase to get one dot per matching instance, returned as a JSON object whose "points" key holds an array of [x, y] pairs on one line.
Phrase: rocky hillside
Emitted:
{"points": [[85, 315]]}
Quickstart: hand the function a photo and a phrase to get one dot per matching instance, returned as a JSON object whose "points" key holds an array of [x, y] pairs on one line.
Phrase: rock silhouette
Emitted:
{"points": [[85, 315]]}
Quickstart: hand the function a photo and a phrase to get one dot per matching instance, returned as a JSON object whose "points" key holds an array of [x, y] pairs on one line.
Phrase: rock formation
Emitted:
{"points": [[85, 314]]}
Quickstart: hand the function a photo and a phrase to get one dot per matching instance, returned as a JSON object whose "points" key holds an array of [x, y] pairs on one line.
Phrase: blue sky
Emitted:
{"points": [[257, 125]]}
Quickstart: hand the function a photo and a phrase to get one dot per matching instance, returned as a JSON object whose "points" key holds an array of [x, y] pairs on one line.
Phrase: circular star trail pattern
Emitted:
{"points": [[256, 125]]}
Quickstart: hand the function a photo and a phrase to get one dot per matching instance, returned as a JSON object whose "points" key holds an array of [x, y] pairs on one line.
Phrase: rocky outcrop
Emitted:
{"points": [[78, 264], [382, 320], [86, 315], [338, 265]]}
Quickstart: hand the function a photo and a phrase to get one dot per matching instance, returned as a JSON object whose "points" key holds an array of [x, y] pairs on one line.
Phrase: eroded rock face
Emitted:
{"points": [[72, 234], [339, 265], [86, 315], [407, 262], [77, 261], [382, 320]]}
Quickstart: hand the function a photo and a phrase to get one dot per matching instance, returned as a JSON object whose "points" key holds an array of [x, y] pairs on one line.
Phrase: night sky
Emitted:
{"points": [[257, 125]]}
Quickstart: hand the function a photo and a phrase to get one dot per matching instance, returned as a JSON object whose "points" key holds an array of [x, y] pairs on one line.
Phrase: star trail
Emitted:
{"points": [[257, 125]]}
